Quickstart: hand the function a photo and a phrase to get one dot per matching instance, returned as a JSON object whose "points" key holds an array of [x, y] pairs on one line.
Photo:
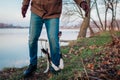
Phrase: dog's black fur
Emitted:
{"points": [[51, 63], [47, 53]]}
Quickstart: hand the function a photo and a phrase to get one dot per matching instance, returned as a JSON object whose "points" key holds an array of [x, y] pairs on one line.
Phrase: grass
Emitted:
{"points": [[81, 50], [73, 55]]}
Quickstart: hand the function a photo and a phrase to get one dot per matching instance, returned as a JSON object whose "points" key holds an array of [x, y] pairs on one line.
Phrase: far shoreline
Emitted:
{"points": [[28, 28]]}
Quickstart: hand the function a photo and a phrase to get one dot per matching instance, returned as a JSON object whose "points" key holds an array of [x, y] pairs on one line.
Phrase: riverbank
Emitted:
{"points": [[91, 58], [14, 45]]}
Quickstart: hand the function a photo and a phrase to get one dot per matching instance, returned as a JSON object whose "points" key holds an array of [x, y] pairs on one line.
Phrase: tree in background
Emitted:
{"points": [[85, 24], [111, 8], [103, 7], [80, 13], [111, 5]]}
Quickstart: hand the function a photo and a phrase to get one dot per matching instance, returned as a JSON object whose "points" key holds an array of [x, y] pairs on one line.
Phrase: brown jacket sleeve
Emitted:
{"points": [[25, 2], [78, 1]]}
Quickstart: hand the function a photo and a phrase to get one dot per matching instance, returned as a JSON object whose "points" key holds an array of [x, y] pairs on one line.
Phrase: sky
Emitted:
{"points": [[10, 12]]}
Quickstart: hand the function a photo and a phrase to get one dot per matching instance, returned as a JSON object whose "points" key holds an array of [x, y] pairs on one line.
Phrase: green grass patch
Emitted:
{"points": [[81, 50]]}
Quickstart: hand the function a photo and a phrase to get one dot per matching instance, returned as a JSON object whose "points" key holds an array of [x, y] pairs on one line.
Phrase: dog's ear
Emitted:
{"points": [[44, 51], [61, 55]]}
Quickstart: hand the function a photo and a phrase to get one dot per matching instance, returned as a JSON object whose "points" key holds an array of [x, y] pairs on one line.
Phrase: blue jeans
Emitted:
{"points": [[52, 28]]}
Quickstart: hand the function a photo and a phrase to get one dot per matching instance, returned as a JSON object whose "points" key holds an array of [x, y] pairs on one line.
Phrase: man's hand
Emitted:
{"points": [[24, 10], [85, 7]]}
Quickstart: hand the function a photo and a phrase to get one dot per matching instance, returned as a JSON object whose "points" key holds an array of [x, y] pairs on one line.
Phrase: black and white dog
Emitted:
{"points": [[49, 61]]}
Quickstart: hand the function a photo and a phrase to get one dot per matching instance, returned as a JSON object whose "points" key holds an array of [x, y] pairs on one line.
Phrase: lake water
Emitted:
{"points": [[14, 46]]}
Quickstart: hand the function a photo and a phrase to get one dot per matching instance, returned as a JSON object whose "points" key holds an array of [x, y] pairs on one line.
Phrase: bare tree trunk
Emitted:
{"points": [[96, 24], [85, 24], [91, 31], [83, 28], [109, 4], [117, 25], [106, 19], [99, 15], [106, 14], [113, 16]]}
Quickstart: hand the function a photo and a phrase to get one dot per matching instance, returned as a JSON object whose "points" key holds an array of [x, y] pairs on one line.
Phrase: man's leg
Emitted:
{"points": [[52, 26], [34, 32]]}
